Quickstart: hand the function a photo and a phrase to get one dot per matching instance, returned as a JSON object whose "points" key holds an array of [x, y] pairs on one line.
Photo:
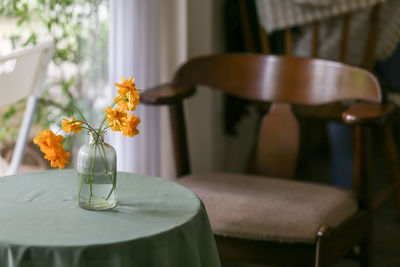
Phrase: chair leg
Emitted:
{"points": [[366, 253], [321, 259], [392, 159]]}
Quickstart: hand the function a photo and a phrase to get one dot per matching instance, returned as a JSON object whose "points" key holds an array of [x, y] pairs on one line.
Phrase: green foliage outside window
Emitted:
{"points": [[79, 29]]}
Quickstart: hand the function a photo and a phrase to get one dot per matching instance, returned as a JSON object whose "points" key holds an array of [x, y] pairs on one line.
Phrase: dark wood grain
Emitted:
{"points": [[281, 79], [363, 188], [289, 84], [383, 195], [358, 228], [288, 42], [370, 49], [278, 158], [179, 139], [369, 113], [338, 242], [344, 41], [361, 175], [322, 254], [392, 160], [315, 40], [264, 41], [246, 28], [261, 251], [165, 94]]}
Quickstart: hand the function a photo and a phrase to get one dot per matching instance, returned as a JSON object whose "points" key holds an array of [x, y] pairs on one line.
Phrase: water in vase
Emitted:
{"points": [[98, 195], [96, 166]]}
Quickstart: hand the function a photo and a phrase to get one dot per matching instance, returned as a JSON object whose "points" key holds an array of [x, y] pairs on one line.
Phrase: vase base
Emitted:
{"points": [[97, 205]]}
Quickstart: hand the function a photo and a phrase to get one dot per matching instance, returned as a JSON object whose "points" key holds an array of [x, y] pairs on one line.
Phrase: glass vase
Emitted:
{"points": [[97, 175]]}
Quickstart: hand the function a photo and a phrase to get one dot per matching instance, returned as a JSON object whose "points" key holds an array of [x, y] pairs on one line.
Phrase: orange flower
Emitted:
{"points": [[130, 126], [124, 104], [51, 145], [57, 156], [47, 139], [115, 118], [126, 86], [129, 96], [133, 99], [71, 126]]}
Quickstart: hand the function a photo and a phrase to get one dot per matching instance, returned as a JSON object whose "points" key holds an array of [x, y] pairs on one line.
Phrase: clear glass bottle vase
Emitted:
{"points": [[97, 174]]}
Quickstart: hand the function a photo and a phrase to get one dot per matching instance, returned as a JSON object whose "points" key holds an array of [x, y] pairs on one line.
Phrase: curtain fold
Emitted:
{"points": [[134, 51], [148, 41]]}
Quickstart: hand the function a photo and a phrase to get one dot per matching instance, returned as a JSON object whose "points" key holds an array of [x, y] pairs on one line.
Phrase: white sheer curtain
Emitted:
{"points": [[148, 42], [134, 51]]}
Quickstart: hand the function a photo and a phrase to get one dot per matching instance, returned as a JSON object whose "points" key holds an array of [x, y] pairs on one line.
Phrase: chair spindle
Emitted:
{"points": [[344, 38], [370, 49], [246, 29], [288, 42], [264, 41], [315, 40]]}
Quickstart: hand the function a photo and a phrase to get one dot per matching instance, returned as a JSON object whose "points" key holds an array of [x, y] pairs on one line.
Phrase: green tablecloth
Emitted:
{"points": [[156, 223]]}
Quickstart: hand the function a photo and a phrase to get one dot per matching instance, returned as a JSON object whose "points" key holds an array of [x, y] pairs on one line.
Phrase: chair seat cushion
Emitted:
{"points": [[262, 208]]}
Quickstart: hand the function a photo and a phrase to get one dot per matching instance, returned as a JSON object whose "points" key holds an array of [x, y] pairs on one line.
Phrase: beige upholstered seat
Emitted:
{"points": [[264, 208]]}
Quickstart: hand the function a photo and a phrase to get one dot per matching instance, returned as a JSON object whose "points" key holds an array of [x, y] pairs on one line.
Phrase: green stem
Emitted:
{"points": [[102, 123], [92, 175], [66, 139], [104, 158], [83, 117], [90, 128]]}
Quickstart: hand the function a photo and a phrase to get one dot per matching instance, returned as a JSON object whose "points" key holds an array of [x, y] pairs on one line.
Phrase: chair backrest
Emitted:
{"points": [[280, 79], [23, 73], [22, 76], [285, 82], [288, 153]]}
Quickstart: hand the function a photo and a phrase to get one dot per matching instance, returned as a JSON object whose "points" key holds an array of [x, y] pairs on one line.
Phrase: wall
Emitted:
{"points": [[173, 52], [204, 111]]}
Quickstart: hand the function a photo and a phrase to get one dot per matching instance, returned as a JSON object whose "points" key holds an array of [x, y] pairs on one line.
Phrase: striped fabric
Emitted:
{"points": [[314, 2], [281, 14]]}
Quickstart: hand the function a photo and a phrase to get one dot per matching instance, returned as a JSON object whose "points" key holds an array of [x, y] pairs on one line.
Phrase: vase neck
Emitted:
{"points": [[94, 138]]}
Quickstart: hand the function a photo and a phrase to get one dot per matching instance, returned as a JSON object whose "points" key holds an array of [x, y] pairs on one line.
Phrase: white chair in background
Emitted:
{"points": [[22, 76]]}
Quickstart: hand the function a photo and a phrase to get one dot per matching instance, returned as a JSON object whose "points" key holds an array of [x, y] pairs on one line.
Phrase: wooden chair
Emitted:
{"points": [[278, 221], [389, 145]]}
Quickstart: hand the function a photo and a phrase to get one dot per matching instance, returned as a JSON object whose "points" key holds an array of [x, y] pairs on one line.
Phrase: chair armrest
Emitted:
{"points": [[369, 113], [165, 94]]}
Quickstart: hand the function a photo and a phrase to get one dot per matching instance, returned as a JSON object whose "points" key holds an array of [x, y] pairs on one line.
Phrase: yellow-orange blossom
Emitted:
{"points": [[51, 145], [127, 100], [71, 125], [130, 126], [117, 119], [128, 95]]}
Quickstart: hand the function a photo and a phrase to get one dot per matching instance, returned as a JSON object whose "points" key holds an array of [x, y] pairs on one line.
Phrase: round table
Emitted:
{"points": [[156, 223]]}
